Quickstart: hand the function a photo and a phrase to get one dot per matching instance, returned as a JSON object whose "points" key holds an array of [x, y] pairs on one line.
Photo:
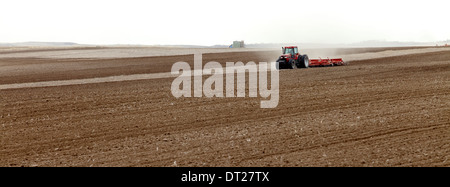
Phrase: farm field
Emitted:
{"points": [[389, 107]]}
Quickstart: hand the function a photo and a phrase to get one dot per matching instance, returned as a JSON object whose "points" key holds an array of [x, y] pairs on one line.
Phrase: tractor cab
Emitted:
{"points": [[290, 51]]}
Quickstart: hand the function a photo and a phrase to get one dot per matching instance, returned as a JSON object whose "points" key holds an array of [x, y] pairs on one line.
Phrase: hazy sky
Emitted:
{"points": [[209, 22]]}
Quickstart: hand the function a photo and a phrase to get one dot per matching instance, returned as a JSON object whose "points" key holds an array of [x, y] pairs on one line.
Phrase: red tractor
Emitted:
{"points": [[292, 59]]}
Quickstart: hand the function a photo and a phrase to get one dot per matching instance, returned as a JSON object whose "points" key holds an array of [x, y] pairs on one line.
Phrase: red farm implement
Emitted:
{"points": [[326, 62]]}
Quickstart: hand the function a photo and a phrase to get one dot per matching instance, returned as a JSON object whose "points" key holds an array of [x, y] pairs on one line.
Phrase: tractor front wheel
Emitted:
{"points": [[292, 64]]}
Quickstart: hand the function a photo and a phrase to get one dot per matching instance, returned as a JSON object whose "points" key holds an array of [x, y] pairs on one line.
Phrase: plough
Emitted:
{"points": [[326, 62]]}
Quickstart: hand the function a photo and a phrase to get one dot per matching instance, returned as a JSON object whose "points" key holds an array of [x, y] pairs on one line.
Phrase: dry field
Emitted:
{"points": [[389, 107]]}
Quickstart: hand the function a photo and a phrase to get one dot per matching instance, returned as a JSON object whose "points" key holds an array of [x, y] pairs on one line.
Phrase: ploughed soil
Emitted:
{"points": [[391, 111]]}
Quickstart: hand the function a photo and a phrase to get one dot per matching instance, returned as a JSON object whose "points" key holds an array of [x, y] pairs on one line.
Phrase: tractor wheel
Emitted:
{"points": [[292, 64], [304, 61], [277, 65]]}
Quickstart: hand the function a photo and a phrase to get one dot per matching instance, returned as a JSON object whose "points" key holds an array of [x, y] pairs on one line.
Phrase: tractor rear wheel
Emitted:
{"points": [[303, 61]]}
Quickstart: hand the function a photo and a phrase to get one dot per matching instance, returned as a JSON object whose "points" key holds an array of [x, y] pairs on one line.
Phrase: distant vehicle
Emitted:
{"points": [[238, 44]]}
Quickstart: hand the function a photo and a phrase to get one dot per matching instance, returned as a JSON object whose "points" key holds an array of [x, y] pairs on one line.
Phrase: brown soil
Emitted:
{"points": [[386, 112], [20, 70]]}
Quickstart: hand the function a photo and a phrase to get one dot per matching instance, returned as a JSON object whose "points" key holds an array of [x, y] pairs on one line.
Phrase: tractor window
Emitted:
{"points": [[289, 51], [295, 50]]}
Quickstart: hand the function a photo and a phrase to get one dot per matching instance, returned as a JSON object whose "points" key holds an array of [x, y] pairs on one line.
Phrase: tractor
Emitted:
{"points": [[292, 59]]}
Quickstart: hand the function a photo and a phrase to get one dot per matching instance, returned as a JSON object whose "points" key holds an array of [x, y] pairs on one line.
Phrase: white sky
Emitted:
{"points": [[208, 22]]}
